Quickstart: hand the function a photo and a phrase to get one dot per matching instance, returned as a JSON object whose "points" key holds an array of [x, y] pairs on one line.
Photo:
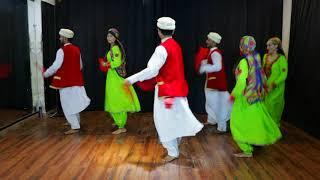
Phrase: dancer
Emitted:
{"points": [[275, 66], [218, 105], [251, 124], [117, 101], [172, 116], [68, 78]]}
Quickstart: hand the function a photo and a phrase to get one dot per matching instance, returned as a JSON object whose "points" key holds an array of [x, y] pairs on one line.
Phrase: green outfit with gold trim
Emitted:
{"points": [[117, 101], [276, 75]]}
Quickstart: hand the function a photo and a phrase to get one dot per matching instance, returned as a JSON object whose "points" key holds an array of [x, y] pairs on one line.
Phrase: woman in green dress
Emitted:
{"points": [[251, 124], [118, 101], [275, 66]]}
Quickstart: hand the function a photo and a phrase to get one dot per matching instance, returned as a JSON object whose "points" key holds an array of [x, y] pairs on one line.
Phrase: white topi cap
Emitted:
{"points": [[166, 23], [66, 33], [214, 37]]}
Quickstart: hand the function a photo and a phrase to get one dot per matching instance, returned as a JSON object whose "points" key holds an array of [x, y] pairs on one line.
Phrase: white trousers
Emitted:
{"points": [[218, 108], [221, 126], [73, 100], [73, 120], [172, 147]]}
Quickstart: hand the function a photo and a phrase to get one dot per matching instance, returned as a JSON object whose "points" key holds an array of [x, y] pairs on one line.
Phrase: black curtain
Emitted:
{"points": [[302, 90], [49, 39], [15, 91], [136, 20]]}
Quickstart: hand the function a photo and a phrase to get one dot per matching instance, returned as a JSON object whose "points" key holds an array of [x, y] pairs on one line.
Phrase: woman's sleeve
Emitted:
{"points": [[241, 79], [283, 65]]}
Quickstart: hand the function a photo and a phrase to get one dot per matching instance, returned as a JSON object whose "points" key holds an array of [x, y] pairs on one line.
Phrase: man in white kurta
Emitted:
{"points": [[74, 98], [217, 104], [177, 121]]}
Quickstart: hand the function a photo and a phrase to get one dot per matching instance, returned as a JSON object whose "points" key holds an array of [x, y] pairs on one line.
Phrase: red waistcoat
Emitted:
{"points": [[171, 80], [217, 80], [69, 74]]}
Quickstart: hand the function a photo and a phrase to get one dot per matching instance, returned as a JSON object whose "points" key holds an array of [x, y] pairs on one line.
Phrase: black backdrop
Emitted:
{"points": [[49, 40], [302, 102], [136, 20], [15, 84]]}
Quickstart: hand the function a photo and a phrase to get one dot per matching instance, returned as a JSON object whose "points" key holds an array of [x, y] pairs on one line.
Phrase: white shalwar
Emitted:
{"points": [[73, 99], [218, 105], [173, 123]]}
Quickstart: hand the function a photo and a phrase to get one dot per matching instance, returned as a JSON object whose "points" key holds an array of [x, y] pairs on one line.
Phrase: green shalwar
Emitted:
{"points": [[276, 74], [250, 124], [117, 101]]}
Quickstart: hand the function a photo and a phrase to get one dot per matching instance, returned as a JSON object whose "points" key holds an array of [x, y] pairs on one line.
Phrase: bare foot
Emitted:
{"points": [[168, 159], [71, 131], [119, 131], [242, 155]]}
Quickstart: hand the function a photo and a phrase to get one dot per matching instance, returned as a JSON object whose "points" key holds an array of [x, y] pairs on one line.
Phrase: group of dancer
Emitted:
{"points": [[254, 106]]}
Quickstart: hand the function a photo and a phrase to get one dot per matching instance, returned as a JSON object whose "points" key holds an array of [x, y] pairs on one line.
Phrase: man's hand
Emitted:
{"points": [[231, 98], [126, 86], [205, 61], [126, 83], [43, 70]]}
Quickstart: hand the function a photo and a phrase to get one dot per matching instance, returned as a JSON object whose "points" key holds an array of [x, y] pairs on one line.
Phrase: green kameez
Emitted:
{"points": [[250, 124], [275, 98], [117, 101]]}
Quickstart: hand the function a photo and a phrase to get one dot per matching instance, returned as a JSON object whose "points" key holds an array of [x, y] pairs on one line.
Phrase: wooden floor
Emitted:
{"points": [[37, 149], [9, 116]]}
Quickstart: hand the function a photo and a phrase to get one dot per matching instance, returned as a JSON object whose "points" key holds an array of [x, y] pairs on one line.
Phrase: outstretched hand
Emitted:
{"points": [[126, 88], [126, 83], [43, 70], [231, 98]]}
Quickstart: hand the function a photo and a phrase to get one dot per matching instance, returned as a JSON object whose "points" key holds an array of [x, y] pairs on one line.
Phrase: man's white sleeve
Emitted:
{"points": [[56, 64], [155, 63]]}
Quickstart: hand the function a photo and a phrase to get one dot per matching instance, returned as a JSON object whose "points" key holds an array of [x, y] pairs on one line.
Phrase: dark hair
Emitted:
{"points": [[280, 51], [115, 33], [166, 32], [70, 39]]}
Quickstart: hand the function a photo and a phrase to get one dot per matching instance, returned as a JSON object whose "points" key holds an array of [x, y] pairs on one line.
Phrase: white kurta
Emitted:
{"points": [[218, 105], [73, 99], [170, 123]]}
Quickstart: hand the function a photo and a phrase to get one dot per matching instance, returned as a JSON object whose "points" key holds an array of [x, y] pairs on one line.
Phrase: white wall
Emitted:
{"points": [[287, 8]]}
